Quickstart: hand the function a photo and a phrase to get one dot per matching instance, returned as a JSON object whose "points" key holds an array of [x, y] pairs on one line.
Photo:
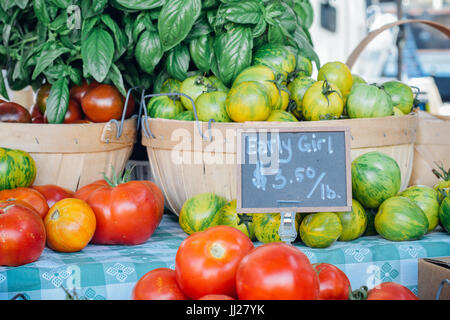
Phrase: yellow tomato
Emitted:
{"points": [[322, 101], [339, 74]]}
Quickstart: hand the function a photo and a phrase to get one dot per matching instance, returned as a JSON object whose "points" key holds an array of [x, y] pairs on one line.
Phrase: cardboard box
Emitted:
{"points": [[432, 271]]}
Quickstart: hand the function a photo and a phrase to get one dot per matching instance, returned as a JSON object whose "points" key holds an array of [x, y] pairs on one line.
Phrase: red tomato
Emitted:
{"points": [[36, 115], [391, 291], [334, 284], [104, 102], [216, 297], [206, 262], [277, 271], [22, 234], [126, 213], [13, 112], [158, 284], [77, 92], [53, 193], [30, 196]]}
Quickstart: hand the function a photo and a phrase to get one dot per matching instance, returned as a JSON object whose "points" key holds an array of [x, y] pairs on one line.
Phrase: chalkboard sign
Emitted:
{"points": [[294, 170]]}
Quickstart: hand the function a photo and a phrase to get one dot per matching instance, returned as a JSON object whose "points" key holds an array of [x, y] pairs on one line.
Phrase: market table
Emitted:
{"points": [[110, 272]]}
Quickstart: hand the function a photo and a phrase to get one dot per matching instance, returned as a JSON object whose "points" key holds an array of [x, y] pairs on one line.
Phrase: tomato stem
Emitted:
{"points": [[359, 294]]}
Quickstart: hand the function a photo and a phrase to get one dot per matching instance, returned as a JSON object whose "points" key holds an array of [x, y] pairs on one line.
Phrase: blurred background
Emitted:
{"points": [[414, 53]]}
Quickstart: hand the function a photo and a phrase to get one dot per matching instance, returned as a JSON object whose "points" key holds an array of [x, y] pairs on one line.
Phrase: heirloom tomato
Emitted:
{"points": [[164, 107], [241, 221], [36, 115], [29, 196], [77, 92], [70, 225], [212, 105], [104, 102], [206, 262], [297, 88], [276, 271], [14, 112], [369, 101], [401, 95], [193, 87], [126, 212], [158, 284], [277, 57], [281, 116], [320, 230], [54, 193], [322, 101], [391, 291], [17, 169], [170, 86], [339, 74], [444, 214], [42, 96], [216, 297], [354, 222], [334, 283], [22, 234]]}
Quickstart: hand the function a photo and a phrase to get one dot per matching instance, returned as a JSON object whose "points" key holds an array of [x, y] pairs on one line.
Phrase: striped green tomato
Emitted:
{"points": [[354, 222], [320, 230], [375, 178], [357, 80], [444, 214], [193, 87], [267, 226], [277, 57], [369, 101], [428, 200], [170, 86], [212, 105], [263, 75], [240, 221], [187, 115], [17, 169], [339, 74], [401, 95], [297, 88], [164, 107], [248, 101], [304, 66], [281, 116], [400, 219], [201, 212], [370, 213], [322, 101]]}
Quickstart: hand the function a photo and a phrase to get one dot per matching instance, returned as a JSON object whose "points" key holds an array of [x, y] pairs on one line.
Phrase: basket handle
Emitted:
{"points": [[363, 44], [146, 128]]}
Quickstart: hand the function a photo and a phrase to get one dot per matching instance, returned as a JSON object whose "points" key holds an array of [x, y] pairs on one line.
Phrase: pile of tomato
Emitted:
{"points": [[90, 102], [109, 211], [221, 263]]}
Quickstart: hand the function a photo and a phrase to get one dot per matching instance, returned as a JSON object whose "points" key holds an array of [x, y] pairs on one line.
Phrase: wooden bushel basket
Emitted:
{"points": [[73, 155], [433, 134]]}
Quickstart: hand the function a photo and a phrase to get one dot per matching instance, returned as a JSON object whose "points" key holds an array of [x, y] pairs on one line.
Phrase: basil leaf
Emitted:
{"points": [[116, 77], [91, 8], [119, 37], [260, 28], [305, 13], [97, 52], [176, 20], [301, 42], [56, 72], [159, 81], [148, 51], [88, 25], [62, 4], [47, 57], [177, 62], [140, 4], [58, 101], [3, 90], [21, 3], [233, 51], [201, 50], [249, 11], [200, 28]]}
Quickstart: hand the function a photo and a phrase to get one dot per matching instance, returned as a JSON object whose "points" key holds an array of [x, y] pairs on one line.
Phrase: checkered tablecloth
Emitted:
{"points": [[110, 272]]}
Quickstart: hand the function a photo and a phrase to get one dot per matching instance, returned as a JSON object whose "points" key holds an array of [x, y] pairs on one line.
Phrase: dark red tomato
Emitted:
{"points": [[391, 291], [28, 195], [77, 92], [127, 213], [14, 112], [42, 96], [334, 284], [36, 115], [22, 235], [73, 114], [53, 193], [158, 284], [216, 297], [277, 271], [104, 102], [206, 262]]}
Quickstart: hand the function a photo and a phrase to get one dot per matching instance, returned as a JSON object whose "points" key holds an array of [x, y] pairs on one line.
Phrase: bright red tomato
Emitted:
{"points": [[53, 193], [206, 262], [22, 234], [30, 196], [277, 271], [158, 284], [391, 291], [334, 284], [127, 213], [216, 297]]}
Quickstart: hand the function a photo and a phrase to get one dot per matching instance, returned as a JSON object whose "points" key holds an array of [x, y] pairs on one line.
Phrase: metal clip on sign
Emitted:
{"points": [[287, 231], [145, 125], [119, 125]]}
